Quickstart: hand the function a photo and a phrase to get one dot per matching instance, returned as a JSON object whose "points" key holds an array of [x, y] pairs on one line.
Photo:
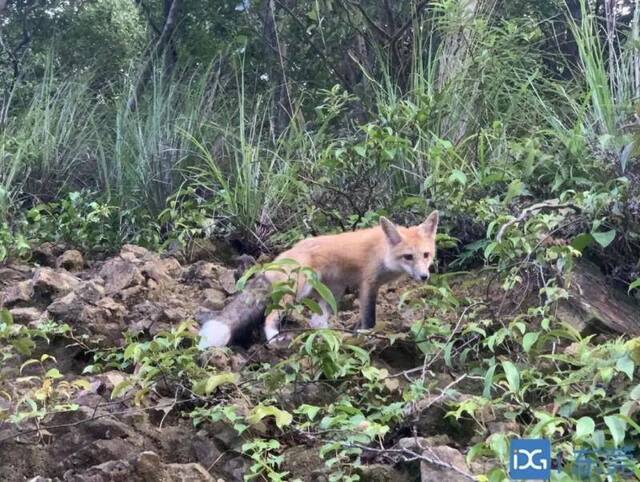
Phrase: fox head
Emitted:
{"points": [[411, 250]]}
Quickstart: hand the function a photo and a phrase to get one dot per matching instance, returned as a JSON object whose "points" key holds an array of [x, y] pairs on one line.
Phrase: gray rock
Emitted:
{"points": [[214, 299], [119, 274], [448, 464], [19, 293], [26, 315], [47, 282], [70, 260]]}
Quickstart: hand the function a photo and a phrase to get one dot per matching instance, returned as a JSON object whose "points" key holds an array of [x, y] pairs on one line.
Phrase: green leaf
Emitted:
{"points": [[529, 340], [259, 412], [241, 283], [635, 393], [458, 176], [634, 286], [488, 381], [605, 238], [120, 388], [626, 365], [489, 249], [598, 438], [628, 407], [130, 351], [617, 426], [447, 354], [516, 188], [581, 241], [215, 381], [513, 376], [313, 306], [325, 293], [361, 150], [53, 373], [499, 443], [24, 345], [585, 427], [497, 475], [6, 317], [309, 410]]}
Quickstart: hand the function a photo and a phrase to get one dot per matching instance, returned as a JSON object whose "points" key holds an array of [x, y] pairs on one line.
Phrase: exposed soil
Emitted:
{"points": [[144, 293]]}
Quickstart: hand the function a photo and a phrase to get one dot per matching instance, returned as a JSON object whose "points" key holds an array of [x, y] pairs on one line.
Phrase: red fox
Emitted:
{"points": [[363, 260]]}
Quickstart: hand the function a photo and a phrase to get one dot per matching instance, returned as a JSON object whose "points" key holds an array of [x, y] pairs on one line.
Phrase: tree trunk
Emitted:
{"points": [[282, 108], [595, 307], [456, 50], [158, 50]]}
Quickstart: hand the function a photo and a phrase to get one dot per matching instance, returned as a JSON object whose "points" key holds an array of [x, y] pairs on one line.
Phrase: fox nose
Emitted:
{"points": [[424, 277]]}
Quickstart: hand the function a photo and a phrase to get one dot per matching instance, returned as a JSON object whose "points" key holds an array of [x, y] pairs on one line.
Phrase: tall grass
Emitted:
{"points": [[612, 82], [469, 93], [66, 137], [51, 142], [248, 173], [148, 145]]}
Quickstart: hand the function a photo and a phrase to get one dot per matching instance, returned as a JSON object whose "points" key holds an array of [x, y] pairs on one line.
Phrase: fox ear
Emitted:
{"points": [[430, 225], [390, 231]]}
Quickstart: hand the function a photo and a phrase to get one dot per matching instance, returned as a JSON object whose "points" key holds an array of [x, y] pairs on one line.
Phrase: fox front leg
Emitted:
{"points": [[368, 296]]}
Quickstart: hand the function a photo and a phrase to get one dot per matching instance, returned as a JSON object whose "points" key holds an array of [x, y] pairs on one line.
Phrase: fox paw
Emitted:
{"points": [[279, 340], [363, 331], [274, 337]]}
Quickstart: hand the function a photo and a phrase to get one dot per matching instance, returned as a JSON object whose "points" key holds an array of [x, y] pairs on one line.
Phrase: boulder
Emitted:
{"points": [[50, 283], [13, 274], [69, 308], [104, 320], [227, 280], [133, 253], [26, 315], [16, 294], [303, 462], [202, 274], [47, 253], [381, 473], [161, 270], [145, 467], [119, 274], [71, 260], [91, 291], [443, 463], [214, 299]]}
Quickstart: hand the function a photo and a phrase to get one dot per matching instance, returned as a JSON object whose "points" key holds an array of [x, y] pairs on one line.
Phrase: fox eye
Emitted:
{"points": [[426, 255], [408, 257]]}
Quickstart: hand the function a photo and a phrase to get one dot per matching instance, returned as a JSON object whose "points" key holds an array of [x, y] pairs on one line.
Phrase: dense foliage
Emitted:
{"points": [[260, 123]]}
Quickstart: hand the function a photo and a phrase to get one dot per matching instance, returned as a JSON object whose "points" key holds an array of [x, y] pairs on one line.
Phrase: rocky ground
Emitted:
{"points": [[144, 293], [138, 292]]}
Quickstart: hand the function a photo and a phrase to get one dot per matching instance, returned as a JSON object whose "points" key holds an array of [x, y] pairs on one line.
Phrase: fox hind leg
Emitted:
{"points": [[321, 320], [272, 325], [272, 322]]}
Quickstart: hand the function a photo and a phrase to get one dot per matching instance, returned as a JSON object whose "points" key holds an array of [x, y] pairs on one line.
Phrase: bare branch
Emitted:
{"points": [[327, 62], [552, 205], [409, 455], [376, 28], [160, 46]]}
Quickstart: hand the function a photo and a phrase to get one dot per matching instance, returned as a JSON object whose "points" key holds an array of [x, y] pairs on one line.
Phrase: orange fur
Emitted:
{"points": [[362, 260]]}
